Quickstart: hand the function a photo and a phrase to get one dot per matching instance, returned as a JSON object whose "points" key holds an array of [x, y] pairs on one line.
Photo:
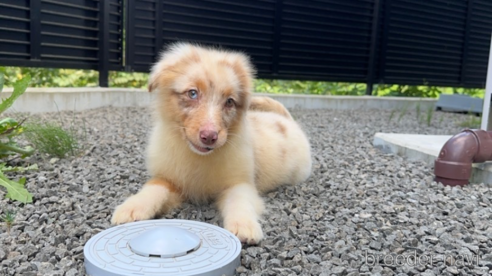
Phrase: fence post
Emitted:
{"points": [[129, 34], [35, 29], [374, 43], [466, 37], [276, 36], [103, 56], [486, 120], [384, 40], [158, 28]]}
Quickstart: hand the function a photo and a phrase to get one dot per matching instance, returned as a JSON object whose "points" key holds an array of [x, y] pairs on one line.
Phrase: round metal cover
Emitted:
{"points": [[165, 242], [109, 253]]}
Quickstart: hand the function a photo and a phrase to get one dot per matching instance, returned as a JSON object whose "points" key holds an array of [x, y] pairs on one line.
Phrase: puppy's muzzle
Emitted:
{"points": [[208, 137]]}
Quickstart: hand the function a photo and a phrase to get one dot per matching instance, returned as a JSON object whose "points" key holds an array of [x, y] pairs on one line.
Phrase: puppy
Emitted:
{"points": [[212, 140]]}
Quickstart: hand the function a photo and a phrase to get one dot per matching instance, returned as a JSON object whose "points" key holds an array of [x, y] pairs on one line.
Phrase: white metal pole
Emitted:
{"points": [[486, 119]]}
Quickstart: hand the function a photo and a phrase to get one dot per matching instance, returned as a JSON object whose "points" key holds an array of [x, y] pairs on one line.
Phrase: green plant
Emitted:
{"points": [[429, 115], [8, 218], [418, 111], [392, 114], [472, 122], [10, 128], [126, 79], [441, 119], [52, 139], [408, 90], [308, 87], [403, 112], [46, 77], [50, 77]]}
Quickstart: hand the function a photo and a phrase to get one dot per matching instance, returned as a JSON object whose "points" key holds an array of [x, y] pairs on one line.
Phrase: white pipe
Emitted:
{"points": [[488, 91]]}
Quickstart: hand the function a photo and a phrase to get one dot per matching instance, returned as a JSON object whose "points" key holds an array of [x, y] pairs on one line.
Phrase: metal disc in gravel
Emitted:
{"points": [[165, 242], [163, 247]]}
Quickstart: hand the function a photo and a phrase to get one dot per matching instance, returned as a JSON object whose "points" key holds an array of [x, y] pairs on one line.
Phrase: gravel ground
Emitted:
{"points": [[358, 212]]}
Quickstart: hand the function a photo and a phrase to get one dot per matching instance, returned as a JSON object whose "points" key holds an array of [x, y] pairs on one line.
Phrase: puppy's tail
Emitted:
{"points": [[266, 104]]}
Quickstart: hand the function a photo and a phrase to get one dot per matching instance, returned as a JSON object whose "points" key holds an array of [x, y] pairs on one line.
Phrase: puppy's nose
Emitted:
{"points": [[208, 137]]}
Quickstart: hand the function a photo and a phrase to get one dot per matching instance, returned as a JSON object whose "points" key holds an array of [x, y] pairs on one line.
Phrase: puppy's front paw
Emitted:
{"points": [[247, 230], [133, 209]]}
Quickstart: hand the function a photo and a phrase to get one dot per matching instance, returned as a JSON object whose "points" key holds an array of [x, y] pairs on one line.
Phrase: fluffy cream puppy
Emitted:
{"points": [[212, 140]]}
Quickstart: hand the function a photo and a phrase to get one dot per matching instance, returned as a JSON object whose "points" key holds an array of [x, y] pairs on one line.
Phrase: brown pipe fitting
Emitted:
{"points": [[453, 166]]}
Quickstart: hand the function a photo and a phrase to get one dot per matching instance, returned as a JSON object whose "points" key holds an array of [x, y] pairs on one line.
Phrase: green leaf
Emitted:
{"points": [[11, 148], [27, 151], [19, 89], [7, 125], [15, 190], [5, 168], [2, 81], [8, 121]]}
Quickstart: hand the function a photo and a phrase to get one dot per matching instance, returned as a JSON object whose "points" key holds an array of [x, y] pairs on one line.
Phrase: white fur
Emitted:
{"points": [[143, 205], [241, 206], [264, 150]]}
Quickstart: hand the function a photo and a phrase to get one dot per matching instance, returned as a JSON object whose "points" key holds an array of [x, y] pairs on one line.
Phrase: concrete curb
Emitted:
{"points": [[37, 100], [414, 147], [426, 148]]}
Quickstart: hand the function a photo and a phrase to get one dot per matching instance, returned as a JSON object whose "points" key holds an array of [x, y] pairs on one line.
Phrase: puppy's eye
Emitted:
{"points": [[230, 102], [193, 94]]}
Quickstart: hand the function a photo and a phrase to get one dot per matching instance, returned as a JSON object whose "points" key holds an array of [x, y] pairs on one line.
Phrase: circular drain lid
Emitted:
{"points": [[162, 247]]}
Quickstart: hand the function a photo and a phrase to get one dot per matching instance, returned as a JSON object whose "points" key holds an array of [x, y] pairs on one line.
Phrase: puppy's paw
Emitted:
{"points": [[247, 230], [133, 209]]}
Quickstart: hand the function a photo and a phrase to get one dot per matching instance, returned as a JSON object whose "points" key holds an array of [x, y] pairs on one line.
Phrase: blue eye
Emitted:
{"points": [[193, 94]]}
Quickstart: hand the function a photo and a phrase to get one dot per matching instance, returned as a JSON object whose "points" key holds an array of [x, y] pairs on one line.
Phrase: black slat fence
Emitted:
{"points": [[432, 42]]}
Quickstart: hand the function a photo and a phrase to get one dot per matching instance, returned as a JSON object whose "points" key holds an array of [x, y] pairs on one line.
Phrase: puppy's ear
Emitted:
{"points": [[245, 72], [155, 74], [169, 63], [159, 74], [152, 84]]}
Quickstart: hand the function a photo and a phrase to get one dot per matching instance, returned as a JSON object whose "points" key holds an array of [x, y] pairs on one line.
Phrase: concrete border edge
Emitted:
{"points": [[38, 100]]}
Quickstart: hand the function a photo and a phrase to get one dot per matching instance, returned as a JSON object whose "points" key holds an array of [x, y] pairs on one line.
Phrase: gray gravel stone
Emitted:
{"points": [[71, 272], [359, 202], [453, 270], [338, 270], [314, 258]]}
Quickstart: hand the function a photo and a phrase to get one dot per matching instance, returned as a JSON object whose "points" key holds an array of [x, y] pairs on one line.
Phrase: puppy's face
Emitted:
{"points": [[204, 92]]}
